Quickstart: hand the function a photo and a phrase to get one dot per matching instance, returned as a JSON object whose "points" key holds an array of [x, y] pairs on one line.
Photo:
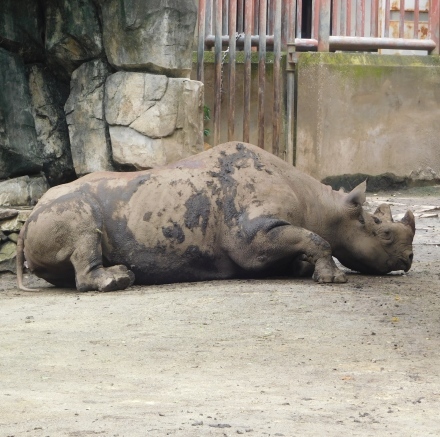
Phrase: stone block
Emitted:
{"points": [[153, 119], [149, 35], [20, 152], [8, 252], [21, 28], [48, 96], [85, 118], [22, 191], [73, 33]]}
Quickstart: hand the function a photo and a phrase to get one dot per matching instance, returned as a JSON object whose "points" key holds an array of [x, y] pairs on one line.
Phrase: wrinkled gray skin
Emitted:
{"points": [[231, 212]]}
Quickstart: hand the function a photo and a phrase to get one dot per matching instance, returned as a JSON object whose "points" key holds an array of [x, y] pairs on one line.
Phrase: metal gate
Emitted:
{"points": [[257, 28]]}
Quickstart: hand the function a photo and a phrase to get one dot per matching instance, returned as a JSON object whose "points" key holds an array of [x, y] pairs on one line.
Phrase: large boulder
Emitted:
{"points": [[48, 97], [20, 152], [22, 191], [21, 25], [85, 118], [73, 33], [149, 35], [153, 119]]}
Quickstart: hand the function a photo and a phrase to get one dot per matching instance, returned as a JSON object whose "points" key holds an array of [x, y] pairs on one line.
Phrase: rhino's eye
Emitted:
{"points": [[387, 234], [377, 220]]}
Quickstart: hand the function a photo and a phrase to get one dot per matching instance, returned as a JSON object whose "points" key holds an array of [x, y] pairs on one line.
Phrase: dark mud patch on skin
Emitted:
{"points": [[228, 164], [198, 209], [174, 232]]}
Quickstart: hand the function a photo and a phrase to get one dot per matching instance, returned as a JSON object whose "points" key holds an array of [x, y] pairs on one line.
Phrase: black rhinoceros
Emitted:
{"points": [[231, 212]]}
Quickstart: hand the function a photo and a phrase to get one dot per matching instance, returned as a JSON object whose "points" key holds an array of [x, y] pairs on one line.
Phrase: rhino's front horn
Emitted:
{"points": [[408, 219], [384, 212]]}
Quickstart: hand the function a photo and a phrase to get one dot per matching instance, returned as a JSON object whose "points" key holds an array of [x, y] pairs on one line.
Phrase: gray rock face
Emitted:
{"points": [[85, 118], [9, 229], [144, 35], [73, 33], [153, 119], [48, 96], [19, 149], [22, 191], [21, 27]]}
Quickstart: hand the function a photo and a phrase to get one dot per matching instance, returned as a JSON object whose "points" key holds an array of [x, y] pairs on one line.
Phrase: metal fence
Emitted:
{"points": [[300, 25]]}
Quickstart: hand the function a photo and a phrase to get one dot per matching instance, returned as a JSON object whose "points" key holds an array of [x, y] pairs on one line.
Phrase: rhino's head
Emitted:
{"points": [[374, 243]]}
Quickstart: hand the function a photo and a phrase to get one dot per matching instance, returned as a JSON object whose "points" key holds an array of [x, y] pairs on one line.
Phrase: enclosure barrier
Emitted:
{"points": [[300, 25]]}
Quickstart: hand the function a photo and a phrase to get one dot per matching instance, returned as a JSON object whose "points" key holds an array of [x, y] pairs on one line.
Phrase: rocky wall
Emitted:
{"points": [[91, 85]]}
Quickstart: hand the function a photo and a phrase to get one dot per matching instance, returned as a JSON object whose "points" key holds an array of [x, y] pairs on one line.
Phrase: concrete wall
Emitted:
{"points": [[369, 114]]}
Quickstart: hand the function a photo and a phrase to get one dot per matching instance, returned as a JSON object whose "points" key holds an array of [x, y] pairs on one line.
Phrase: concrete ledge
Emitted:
{"points": [[369, 114]]}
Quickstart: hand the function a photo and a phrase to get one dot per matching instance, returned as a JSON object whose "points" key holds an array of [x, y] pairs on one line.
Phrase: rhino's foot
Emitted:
{"points": [[326, 272], [106, 279], [116, 278]]}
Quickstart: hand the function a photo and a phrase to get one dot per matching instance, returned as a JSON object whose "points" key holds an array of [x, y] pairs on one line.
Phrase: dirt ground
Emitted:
{"points": [[272, 357]]}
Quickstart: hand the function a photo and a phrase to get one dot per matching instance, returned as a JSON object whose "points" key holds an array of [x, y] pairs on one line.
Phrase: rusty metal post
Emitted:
{"points": [[434, 11], [360, 18], [231, 68], [290, 84], [387, 18], [348, 31], [218, 70], [374, 19], [335, 15], [201, 40], [402, 19], [277, 80], [247, 70], [324, 26], [299, 19], [261, 71], [416, 18], [315, 18]]}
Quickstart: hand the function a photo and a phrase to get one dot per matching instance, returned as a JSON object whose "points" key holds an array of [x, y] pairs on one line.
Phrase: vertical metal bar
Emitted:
{"points": [[240, 16], [315, 20], [256, 14], [284, 18], [270, 17], [387, 18], [225, 17], [335, 16], [374, 19], [290, 88], [208, 20], [247, 70], [277, 80], [348, 32], [434, 9], [362, 18], [231, 68], [342, 19], [261, 71], [416, 18], [218, 69], [324, 26], [402, 19], [201, 39], [359, 17], [299, 18]]}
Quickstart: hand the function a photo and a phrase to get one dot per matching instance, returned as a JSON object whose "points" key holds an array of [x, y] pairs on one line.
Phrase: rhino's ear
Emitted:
{"points": [[409, 220], [383, 211], [356, 197]]}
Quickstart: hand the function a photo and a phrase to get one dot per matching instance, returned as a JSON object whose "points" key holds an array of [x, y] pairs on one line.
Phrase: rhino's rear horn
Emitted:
{"points": [[408, 219], [383, 211]]}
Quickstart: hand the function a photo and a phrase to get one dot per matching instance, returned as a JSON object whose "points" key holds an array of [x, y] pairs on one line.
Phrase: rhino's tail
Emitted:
{"points": [[20, 263]]}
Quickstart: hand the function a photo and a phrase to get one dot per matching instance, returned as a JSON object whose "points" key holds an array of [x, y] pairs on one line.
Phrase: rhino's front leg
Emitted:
{"points": [[277, 241]]}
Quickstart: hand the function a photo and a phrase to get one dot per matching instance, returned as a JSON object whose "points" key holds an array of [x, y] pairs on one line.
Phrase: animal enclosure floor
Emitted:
{"points": [[274, 357]]}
